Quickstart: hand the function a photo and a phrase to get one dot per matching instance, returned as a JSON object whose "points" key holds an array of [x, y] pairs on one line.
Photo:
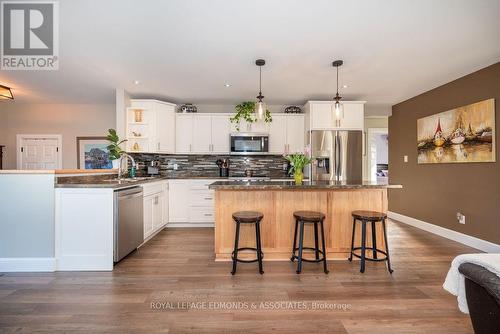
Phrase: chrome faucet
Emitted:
{"points": [[127, 156]]}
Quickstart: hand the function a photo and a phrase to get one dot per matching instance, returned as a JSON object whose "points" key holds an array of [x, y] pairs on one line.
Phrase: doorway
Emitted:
{"points": [[39, 152], [378, 154]]}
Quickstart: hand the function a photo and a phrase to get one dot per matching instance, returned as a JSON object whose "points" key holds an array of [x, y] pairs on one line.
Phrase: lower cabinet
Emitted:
{"points": [[191, 203], [155, 206]]}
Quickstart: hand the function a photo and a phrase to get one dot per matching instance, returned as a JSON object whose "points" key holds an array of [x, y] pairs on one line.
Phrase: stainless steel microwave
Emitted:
{"points": [[249, 143]]}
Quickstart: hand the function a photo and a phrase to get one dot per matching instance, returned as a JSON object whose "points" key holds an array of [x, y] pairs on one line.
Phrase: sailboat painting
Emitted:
{"points": [[464, 134]]}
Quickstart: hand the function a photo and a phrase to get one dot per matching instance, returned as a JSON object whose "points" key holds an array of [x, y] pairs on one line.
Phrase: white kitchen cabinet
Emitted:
{"points": [[286, 133], [221, 129], [191, 203], [183, 133], [321, 116], [202, 133], [277, 134], [150, 126], [178, 201], [154, 206], [295, 133], [148, 215]]}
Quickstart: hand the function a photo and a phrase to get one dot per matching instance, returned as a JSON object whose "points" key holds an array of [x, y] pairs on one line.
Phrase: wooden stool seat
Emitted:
{"points": [[247, 216], [369, 215], [309, 216]]}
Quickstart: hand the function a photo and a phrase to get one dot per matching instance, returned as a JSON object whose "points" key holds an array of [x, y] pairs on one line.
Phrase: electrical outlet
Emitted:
{"points": [[405, 158], [176, 166], [460, 218]]}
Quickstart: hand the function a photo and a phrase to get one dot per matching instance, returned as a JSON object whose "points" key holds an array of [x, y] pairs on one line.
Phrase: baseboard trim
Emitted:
{"points": [[27, 264], [464, 239], [174, 225]]}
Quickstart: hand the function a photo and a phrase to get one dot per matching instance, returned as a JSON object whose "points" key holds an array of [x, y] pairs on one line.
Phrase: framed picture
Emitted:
{"points": [[92, 153], [461, 135]]}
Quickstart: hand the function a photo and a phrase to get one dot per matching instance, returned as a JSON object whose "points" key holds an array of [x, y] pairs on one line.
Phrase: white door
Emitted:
{"points": [[158, 200], [321, 116], [165, 129], [277, 134], [202, 133], [354, 116], [295, 132], [39, 152], [178, 201], [221, 128], [183, 133], [148, 203]]}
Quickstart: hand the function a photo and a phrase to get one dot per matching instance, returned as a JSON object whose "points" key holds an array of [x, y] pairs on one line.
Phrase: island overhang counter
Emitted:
{"points": [[277, 200]]}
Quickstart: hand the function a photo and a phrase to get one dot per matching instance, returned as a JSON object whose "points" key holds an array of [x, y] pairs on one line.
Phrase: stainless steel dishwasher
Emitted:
{"points": [[128, 221]]}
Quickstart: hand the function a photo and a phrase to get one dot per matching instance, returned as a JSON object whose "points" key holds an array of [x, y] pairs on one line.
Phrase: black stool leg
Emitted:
{"points": [[301, 243], [294, 240], [374, 241], [235, 254], [387, 248], [259, 247], [363, 245], [316, 247], [352, 240], [325, 268]]}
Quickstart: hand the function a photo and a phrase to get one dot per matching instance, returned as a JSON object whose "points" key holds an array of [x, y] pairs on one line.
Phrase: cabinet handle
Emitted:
{"points": [[190, 149], [208, 214], [208, 198], [158, 146]]}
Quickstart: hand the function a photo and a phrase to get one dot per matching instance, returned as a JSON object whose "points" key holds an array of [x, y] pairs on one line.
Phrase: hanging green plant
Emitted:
{"points": [[245, 111]]}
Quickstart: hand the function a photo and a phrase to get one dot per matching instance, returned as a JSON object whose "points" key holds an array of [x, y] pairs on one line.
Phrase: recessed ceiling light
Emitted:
{"points": [[227, 85], [136, 82], [345, 86]]}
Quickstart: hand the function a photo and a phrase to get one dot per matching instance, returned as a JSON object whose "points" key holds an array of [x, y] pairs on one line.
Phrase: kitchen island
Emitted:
{"points": [[278, 200]]}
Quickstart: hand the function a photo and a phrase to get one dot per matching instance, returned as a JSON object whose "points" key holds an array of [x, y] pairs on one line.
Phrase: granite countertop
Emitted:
{"points": [[114, 183], [284, 185]]}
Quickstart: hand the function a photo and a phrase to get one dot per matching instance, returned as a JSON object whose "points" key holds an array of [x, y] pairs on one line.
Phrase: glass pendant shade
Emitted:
{"points": [[338, 112], [260, 110]]}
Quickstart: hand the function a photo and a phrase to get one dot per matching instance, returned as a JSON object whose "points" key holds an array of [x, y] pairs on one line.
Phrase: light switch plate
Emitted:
{"points": [[405, 158], [460, 218]]}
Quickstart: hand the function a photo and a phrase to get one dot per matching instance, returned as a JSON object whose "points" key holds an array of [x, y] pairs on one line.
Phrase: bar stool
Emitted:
{"points": [[309, 217], [247, 217], [372, 217]]}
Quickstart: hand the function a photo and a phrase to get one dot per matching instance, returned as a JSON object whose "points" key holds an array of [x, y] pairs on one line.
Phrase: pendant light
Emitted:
{"points": [[260, 105], [337, 108], [6, 93]]}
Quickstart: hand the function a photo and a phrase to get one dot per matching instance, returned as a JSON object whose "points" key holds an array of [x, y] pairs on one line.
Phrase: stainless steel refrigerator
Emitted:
{"points": [[338, 155]]}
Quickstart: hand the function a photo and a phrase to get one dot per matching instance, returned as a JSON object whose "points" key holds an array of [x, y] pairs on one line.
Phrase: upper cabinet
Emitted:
{"points": [[286, 133], [202, 133], [150, 126], [320, 115]]}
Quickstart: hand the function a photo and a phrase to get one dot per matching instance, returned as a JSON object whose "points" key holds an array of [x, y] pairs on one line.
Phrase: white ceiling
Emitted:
{"points": [[185, 51]]}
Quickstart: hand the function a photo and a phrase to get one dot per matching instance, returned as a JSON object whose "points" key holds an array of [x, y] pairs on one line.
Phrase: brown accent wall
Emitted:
{"points": [[435, 192]]}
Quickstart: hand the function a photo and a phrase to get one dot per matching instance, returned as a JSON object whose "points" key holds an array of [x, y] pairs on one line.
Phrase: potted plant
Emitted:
{"points": [[298, 161], [115, 151], [245, 111]]}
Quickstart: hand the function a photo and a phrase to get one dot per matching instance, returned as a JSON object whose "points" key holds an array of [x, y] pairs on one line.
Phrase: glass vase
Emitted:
{"points": [[298, 176]]}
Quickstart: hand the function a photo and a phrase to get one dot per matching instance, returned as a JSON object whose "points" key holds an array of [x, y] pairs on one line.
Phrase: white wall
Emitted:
{"points": [[70, 120]]}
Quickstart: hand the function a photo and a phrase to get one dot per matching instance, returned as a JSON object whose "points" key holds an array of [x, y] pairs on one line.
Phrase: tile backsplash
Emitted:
{"points": [[273, 166]]}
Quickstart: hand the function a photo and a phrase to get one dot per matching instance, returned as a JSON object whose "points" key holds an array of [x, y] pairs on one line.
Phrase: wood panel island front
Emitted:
{"points": [[277, 200]]}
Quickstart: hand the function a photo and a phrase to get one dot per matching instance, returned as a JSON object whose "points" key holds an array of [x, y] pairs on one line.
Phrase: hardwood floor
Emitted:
{"points": [[178, 266]]}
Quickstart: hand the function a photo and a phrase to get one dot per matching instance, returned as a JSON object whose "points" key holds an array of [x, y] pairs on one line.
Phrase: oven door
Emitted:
{"points": [[249, 143]]}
